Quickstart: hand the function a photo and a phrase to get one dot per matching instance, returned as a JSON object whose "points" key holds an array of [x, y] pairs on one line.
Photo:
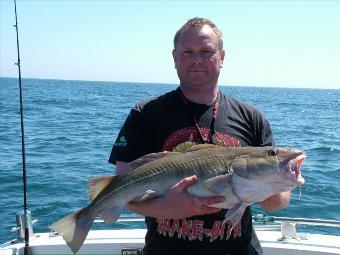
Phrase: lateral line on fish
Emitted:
{"points": [[143, 177], [155, 173]]}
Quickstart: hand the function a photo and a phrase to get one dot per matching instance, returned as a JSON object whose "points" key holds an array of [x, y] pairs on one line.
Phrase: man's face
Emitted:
{"points": [[198, 58]]}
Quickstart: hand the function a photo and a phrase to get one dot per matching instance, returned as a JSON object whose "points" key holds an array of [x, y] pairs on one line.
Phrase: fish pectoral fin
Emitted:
{"points": [[235, 214], [98, 184], [147, 195], [217, 184], [110, 215], [204, 146], [151, 157]]}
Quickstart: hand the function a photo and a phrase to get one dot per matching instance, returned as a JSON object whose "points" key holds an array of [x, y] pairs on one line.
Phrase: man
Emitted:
{"points": [[197, 112]]}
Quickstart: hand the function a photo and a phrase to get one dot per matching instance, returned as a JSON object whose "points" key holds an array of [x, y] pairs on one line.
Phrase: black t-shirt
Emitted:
{"points": [[170, 122]]}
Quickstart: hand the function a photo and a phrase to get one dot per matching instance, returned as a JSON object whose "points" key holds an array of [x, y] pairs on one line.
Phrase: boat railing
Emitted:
{"points": [[286, 225], [124, 218], [258, 218]]}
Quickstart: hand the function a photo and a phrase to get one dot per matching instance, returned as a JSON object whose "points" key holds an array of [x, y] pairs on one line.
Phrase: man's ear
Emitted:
{"points": [[222, 55], [174, 56]]}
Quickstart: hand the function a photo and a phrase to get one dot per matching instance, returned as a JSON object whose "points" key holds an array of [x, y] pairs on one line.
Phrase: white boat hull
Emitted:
{"points": [[113, 241]]}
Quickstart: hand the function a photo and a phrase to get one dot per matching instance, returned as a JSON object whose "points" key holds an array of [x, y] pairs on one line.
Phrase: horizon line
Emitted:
{"points": [[176, 84]]}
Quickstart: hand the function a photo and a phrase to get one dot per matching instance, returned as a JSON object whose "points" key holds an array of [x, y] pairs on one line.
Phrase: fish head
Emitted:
{"points": [[271, 164]]}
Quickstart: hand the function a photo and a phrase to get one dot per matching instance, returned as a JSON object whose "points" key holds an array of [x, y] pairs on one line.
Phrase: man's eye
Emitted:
{"points": [[187, 53], [207, 53]]}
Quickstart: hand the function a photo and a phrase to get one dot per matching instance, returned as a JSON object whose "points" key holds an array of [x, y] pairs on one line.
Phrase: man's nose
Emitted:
{"points": [[196, 58]]}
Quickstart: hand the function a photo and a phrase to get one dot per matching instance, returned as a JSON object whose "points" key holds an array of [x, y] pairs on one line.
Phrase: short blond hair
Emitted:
{"points": [[199, 23]]}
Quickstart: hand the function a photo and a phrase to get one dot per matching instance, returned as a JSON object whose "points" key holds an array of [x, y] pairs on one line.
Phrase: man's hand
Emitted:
{"points": [[177, 203]]}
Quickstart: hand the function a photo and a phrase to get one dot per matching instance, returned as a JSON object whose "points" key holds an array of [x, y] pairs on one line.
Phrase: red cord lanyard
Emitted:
{"points": [[212, 124]]}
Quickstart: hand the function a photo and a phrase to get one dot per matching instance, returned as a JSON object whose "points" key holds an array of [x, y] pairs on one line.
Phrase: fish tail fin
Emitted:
{"points": [[74, 228]]}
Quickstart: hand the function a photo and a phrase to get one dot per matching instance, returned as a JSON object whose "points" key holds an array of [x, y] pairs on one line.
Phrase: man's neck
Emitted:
{"points": [[200, 97]]}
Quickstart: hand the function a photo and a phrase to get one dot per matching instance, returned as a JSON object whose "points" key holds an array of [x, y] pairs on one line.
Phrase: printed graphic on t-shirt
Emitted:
{"points": [[181, 140], [121, 142], [194, 229], [191, 134]]}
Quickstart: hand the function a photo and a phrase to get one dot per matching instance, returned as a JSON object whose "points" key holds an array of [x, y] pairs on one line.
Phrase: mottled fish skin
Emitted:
{"points": [[243, 175]]}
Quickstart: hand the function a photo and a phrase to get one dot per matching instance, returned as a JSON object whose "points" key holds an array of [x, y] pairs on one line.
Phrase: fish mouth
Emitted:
{"points": [[294, 167]]}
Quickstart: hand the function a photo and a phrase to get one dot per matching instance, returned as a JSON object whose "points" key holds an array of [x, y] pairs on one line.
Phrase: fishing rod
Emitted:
{"points": [[24, 178]]}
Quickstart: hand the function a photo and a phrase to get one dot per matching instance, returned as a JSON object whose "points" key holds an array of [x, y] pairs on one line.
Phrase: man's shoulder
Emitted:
{"points": [[157, 103], [236, 104]]}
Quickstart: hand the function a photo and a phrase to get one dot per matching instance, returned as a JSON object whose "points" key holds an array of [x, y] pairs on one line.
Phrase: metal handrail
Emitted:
{"points": [[256, 218], [124, 218], [305, 221]]}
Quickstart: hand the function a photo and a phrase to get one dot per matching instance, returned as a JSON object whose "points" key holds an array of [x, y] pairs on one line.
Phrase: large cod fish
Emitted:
{"points": [[243, 175]]}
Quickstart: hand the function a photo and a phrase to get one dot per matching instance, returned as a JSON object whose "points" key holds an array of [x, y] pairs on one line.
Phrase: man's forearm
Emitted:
{"points": [[176, 203], [276, 202], [147, 208]]}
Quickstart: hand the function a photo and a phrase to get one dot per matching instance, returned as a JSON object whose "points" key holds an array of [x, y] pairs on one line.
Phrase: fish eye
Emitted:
{"points": [[272, 153]]}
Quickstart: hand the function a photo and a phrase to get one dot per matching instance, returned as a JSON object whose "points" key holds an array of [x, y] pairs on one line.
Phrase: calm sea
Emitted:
{"points": [[70, 127]]}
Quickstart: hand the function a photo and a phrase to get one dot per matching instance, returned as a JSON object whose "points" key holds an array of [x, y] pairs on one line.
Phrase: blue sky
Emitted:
{"points": [[268, 43]]}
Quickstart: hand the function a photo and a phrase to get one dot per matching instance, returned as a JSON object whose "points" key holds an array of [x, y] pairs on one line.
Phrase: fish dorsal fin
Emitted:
{"points": [[184, 147], [151, 157], [98, 184], [204, 146]]}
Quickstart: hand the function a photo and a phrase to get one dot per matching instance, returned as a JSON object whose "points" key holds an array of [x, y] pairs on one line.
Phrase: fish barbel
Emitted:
{"points": [[243, 175]]}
